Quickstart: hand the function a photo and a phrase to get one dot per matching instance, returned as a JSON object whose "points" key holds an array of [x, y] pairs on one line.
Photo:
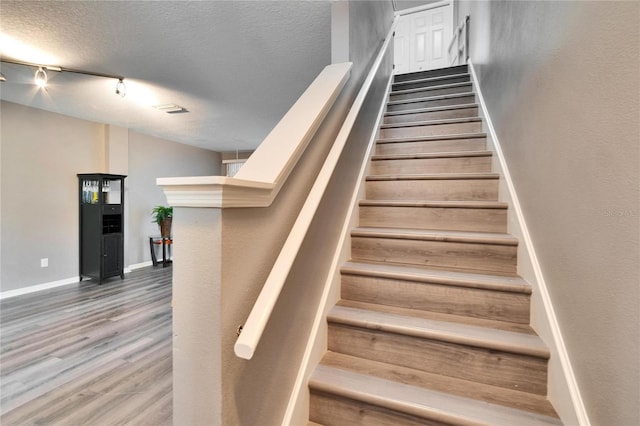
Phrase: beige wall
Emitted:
{"points": [[258, 234], [41, 154], [275, 364], [220, 388], [561, 83]]}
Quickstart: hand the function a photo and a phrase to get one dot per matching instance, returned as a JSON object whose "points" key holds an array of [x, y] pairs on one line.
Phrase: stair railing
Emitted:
{"points": [[204, 227], [260, 179], [251, 332], [460, 41]]}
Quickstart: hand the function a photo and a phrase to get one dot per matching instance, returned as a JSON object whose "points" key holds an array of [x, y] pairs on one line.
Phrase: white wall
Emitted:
{"points": [[561, 84], [41, 153]]}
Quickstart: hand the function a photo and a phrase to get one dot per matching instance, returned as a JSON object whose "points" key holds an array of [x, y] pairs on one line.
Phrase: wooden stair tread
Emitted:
{"points": [[459, 279], [431, 98], [442, 204], [432, 122], [426, 88], [450, 332], [437, 382], [433, 138], [435, 176], [436, 235], [430, 79], [419, 402], [432, 109], [427, 155]]}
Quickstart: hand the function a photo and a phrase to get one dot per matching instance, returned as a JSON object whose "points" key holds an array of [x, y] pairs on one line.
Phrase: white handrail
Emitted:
{"points": [[461, 42], [455, 35], [258, 182], [256, 322]]}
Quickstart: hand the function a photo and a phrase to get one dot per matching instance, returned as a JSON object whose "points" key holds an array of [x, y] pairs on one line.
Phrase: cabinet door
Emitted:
{"points": [[112, 255], [90, 234]]}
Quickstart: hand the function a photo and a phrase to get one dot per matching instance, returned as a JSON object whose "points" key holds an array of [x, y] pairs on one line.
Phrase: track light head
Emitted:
{"points": [[41, 77], [121, 89]]}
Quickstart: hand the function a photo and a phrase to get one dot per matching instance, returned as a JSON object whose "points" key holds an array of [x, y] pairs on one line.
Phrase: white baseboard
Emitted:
{"points": [[38, 287], [137, 266], [555, 341], [60, 283]]}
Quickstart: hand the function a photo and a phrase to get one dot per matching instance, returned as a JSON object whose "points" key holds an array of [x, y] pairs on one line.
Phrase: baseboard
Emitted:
{"points": [[546, 322], [53, 284], [38, 287], [137, 266]]}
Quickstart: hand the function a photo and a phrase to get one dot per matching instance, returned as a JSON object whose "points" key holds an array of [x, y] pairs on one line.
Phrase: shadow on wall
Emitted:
{"points": [[561, 85]]}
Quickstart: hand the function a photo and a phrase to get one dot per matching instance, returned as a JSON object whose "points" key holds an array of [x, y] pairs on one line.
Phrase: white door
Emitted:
{"points": [[422, 39], [401, 46]]}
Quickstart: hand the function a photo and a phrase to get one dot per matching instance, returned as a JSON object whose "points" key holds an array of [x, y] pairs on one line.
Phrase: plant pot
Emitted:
{"points": [[165, 227]]}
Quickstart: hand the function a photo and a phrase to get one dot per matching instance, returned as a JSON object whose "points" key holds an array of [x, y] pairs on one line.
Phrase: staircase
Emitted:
{"points": [[433, 322]]}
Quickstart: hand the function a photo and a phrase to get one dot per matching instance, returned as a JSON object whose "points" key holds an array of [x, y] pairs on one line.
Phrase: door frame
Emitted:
{"points": [[423, 7]]}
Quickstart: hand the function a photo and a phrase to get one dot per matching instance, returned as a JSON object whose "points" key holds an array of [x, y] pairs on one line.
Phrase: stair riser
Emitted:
{"points": [[497, 368], [462, 100], [431, 165], [433, 190], [437, 218], [448, 299], [425, 93], [432, 115], [329, 409], [431, 130], [461, 69], [424, 147], [467, 256], [418, 84]]}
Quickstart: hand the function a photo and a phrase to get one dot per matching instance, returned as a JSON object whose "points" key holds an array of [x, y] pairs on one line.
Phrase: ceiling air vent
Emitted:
{"points": [[171, 108]]}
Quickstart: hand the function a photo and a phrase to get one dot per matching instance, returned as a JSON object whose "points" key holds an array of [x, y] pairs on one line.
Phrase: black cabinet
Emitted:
{"points": [[101, 200]]}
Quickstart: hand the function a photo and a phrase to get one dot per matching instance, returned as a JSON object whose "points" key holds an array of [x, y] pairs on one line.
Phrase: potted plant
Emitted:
{"points": [[163, 216]]}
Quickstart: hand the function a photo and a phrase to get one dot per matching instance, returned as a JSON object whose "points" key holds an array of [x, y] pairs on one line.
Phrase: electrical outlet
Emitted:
{"points": [[44, 262]]}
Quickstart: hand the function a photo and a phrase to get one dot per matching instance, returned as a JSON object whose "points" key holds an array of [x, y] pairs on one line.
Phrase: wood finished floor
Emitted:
{"points": [[89, 354]]}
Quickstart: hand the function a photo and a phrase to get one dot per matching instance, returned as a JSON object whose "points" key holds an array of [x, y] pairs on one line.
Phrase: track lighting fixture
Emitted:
{"points": [[41, 78], [121, 90], [41, 74]]}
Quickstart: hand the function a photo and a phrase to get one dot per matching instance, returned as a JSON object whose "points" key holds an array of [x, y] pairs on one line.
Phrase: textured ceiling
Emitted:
{"points": [[236, 66]]}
